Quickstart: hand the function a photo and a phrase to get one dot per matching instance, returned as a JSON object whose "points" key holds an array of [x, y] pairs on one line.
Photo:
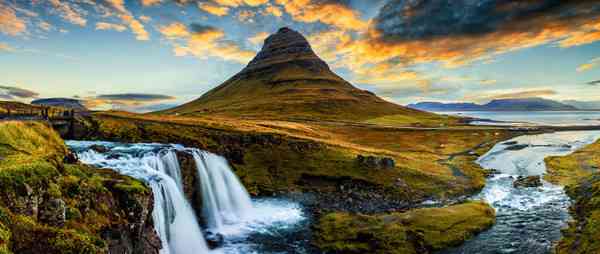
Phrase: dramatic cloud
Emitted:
{"points": [[110, 26], [594, 83], [150, 2], [588, 66], [69, 12], [214, 9], [128, 19], [494, 95], [136, 27], [174, 30], [10, 24], [205, 41], [258, 38], [11, 93], [460, 31], [273, 10], [6, 47], [45, 26], [136, 102], [332, 13]]}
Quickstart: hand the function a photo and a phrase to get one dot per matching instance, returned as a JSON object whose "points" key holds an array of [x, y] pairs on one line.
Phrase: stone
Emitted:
{"points": [[71, 158], [53, 212], [214, 240], [388, 162], [99, 148], [375, 162], [490, 172], [114, 156], [527, 182]]}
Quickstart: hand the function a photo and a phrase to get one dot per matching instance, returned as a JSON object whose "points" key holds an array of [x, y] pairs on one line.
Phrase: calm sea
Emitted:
{"points": [[558, 118]]}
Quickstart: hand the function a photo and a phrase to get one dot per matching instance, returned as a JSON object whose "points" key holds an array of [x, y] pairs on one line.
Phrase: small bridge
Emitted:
{"points": [[62, 120]]}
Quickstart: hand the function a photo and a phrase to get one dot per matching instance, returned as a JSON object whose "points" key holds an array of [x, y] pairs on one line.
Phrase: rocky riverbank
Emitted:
{"points": [[386, 170], [49, 203], [579, 173]]}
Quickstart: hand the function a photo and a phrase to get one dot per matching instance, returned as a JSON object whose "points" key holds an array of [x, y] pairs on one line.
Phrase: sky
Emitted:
{"points": [[144, 55]]}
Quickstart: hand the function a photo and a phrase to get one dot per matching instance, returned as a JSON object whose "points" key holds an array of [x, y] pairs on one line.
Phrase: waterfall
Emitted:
{"points": [[224, 198], [173, 216], [166, 162], [227, 207]]}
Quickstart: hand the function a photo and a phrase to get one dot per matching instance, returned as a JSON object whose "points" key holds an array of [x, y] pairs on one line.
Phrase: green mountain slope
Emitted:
{"points": [[288, 80]]}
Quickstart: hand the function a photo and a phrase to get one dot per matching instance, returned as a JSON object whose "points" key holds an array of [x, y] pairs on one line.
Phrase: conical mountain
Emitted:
{"points": [[288, 80]]}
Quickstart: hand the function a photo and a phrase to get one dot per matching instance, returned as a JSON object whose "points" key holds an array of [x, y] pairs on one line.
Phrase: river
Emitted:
{"points": [[528, 220]]}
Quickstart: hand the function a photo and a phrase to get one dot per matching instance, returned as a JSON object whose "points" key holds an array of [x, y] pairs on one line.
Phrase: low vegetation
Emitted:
{"points": [[416, 231], [284, 156], [47, 206], [579, 172]]}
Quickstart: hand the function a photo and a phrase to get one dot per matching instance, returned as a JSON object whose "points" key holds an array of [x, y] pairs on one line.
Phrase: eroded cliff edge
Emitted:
{"points": [[49, 203]]}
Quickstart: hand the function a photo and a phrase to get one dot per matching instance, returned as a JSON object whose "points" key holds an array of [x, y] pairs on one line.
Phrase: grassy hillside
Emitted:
{"points": [[287, 80], [264, 98], [47, 206], [283, 156], [579, 172]]}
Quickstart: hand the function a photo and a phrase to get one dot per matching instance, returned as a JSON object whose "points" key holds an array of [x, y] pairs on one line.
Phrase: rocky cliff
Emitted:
{"points": [[49, 203]]}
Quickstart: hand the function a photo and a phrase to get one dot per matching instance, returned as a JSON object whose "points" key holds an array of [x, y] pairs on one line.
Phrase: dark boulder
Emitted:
{"points": [[527, 182], [214, 240], [374, 162], [490, 172], [99, 148], [53, 213], [71, 158], [516, 147]]}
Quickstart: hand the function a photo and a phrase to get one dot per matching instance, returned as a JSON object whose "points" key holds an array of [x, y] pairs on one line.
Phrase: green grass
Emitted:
{"points": [[569, 170], [415, 231], [579, 173], [31, 168], [269, 152], [288, 91]]}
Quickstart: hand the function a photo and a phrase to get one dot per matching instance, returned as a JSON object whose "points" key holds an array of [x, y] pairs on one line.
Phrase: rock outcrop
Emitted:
{"points": [[425, 230], [51, 206], [286, 46], [527, 182], [374, 162]]}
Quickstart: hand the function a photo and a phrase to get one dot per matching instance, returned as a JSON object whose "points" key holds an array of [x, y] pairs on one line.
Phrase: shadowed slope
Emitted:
{"points": [[288, 80]]}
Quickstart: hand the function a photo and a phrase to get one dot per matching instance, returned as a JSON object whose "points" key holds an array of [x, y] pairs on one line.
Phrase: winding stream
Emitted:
{"points": [[528, 219]]}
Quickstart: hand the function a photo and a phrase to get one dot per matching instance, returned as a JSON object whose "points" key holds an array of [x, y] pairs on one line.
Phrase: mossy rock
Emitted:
{"points": [[32, 174], [416, 231]]}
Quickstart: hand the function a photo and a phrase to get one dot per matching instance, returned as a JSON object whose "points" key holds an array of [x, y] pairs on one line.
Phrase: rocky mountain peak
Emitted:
{"points": [[286, 45]]}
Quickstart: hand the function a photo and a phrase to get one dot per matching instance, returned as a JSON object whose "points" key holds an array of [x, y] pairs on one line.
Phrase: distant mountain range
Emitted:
{"points": [[521, 104]]}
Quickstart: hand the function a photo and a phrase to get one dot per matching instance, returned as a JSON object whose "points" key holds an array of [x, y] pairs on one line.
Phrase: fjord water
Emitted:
{"points": [[227, 207], [554, 118], [528, 219]]}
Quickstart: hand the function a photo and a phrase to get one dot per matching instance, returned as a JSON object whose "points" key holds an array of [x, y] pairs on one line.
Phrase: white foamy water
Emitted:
{"points": [[227, 207], [528, 219], [225, 200]]}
